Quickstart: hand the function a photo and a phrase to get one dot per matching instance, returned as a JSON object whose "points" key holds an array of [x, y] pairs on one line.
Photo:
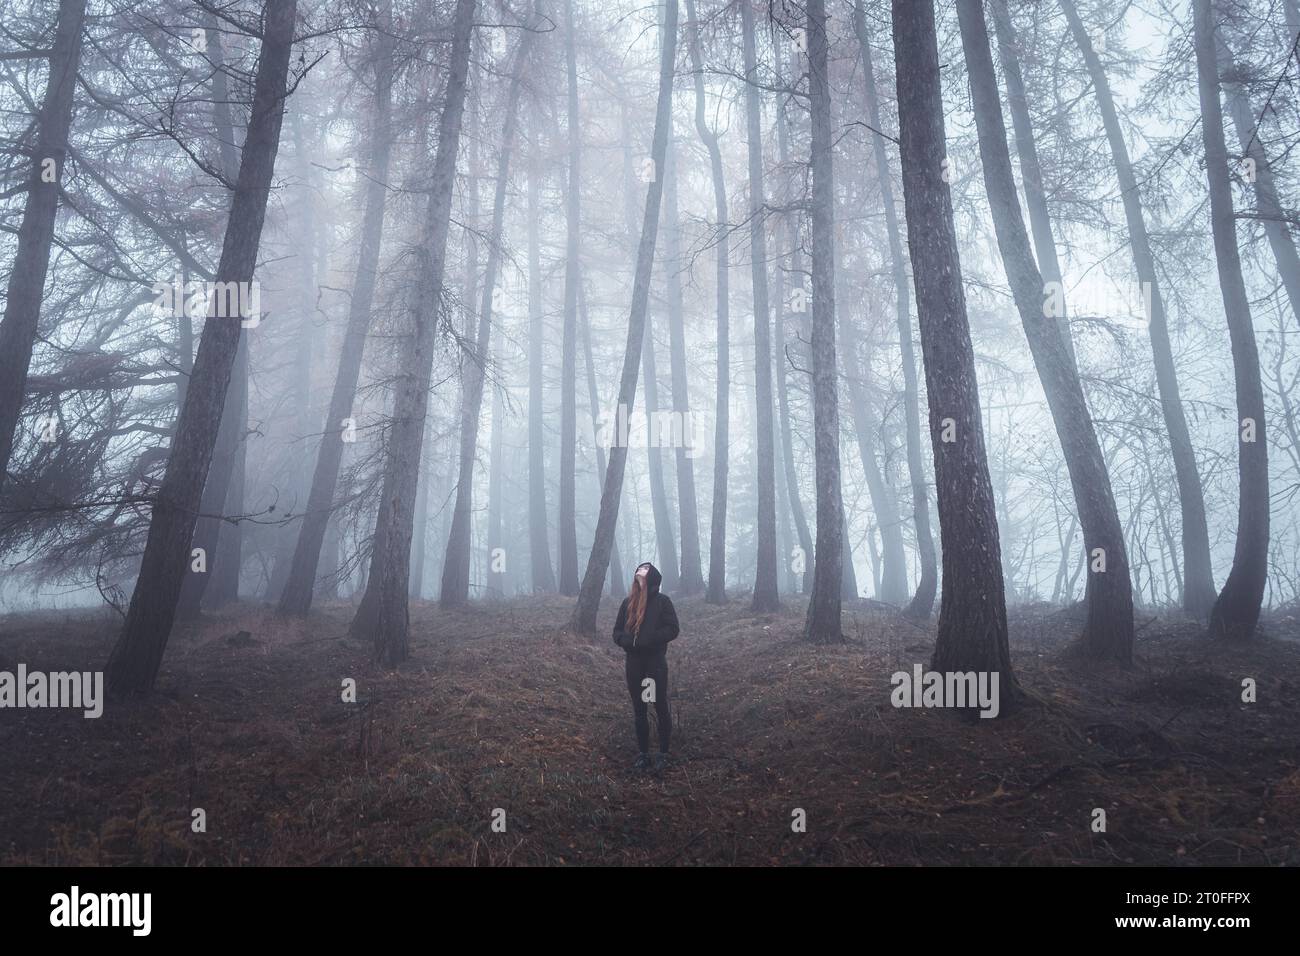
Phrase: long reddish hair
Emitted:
{"points": [[636, 603]]}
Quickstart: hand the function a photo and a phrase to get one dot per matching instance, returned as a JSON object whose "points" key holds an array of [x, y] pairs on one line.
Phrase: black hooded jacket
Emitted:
{"points": [[658, 627]]}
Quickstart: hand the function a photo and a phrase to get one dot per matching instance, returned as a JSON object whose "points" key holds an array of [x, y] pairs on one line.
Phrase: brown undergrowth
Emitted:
{"points": [[500, 707]]}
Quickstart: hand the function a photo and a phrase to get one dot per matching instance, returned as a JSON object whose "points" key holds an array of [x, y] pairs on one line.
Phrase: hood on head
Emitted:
{"points": [[652, 579]]}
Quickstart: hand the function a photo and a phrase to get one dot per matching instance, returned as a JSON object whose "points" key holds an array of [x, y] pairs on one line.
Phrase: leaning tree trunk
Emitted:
{"points": [[617, 584], [391, 558], [1198, 579], [972, 633], [541, 572], [1236, 612], [766, 597], [223, 491], [133, 665], [340, 424], [823, 621], [922, 603], [584, 614], [568, 522], [36, 232], [455, 569], [1108, 631]]}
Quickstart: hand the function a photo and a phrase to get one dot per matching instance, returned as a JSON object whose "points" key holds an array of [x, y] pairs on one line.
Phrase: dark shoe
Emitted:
{"points": [[660, 763], [642, 762]]}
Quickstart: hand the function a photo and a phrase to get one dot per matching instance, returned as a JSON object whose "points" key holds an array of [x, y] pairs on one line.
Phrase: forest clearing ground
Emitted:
{"points": [[501, 707]]}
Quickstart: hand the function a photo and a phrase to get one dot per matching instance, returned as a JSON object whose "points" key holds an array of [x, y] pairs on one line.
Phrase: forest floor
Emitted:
{"points": [[500, 707]]}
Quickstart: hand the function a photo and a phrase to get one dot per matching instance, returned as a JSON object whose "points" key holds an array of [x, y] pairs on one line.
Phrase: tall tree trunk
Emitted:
{"points": [[1236, 612], [665, 541], [972, 633], [1198, 588], [390, 560], [539, 548], [340, 424], [455, 568], [496, 551], [1108, 632], [22, 315], [568, 526], [766, 597], [823, 622], [133, 665], [922, 603], [618, 583], [791, 232], [223, 491], [584, 614]]}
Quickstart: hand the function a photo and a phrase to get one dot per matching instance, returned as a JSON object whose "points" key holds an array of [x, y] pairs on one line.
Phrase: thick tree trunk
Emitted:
{"points": [[1198, 587], [455, 569], [766, 597], [390, 560], [1108, 632], [584, 614], [922, 603], [1236, 612], [568, 522], [133, 665], [340, 424], [539, 548], [823, 621], [972, 632], [22, 315]]}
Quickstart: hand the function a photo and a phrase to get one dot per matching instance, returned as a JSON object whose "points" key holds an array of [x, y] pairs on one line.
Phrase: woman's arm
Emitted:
{"points": [[621, 637]]}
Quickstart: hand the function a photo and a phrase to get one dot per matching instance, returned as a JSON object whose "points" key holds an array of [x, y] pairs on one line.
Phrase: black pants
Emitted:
{"points": [[655, 667]]}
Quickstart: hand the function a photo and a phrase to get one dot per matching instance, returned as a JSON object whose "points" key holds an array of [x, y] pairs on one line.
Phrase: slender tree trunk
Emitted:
{"points": [[791, 231], [455, 569], [340, 423], [390, 561], [22, 314], [1108, 632], [618, 583], [1236, 612], [922, 603], [766, 597], [223, 491], [133, 665], [823, 621], [665, 542], [568, 526], [496, 551], [1198, 589], [539, 548], [584, 614], [972, 632]]}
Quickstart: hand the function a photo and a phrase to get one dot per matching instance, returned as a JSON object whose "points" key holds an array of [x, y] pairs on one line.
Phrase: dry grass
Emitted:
{"points": [[501, 707]]}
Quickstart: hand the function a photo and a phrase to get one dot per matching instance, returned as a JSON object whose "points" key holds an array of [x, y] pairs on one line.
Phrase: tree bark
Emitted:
{"points": [[1108, 631], [133, 665], [823, 622], [972, 633], [539, 548], [1236, 612], [766, 597], [584, 614], [568, 527]]}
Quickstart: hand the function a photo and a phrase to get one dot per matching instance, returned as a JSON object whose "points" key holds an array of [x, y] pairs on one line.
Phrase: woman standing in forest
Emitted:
{"points": [[646, 622]]}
